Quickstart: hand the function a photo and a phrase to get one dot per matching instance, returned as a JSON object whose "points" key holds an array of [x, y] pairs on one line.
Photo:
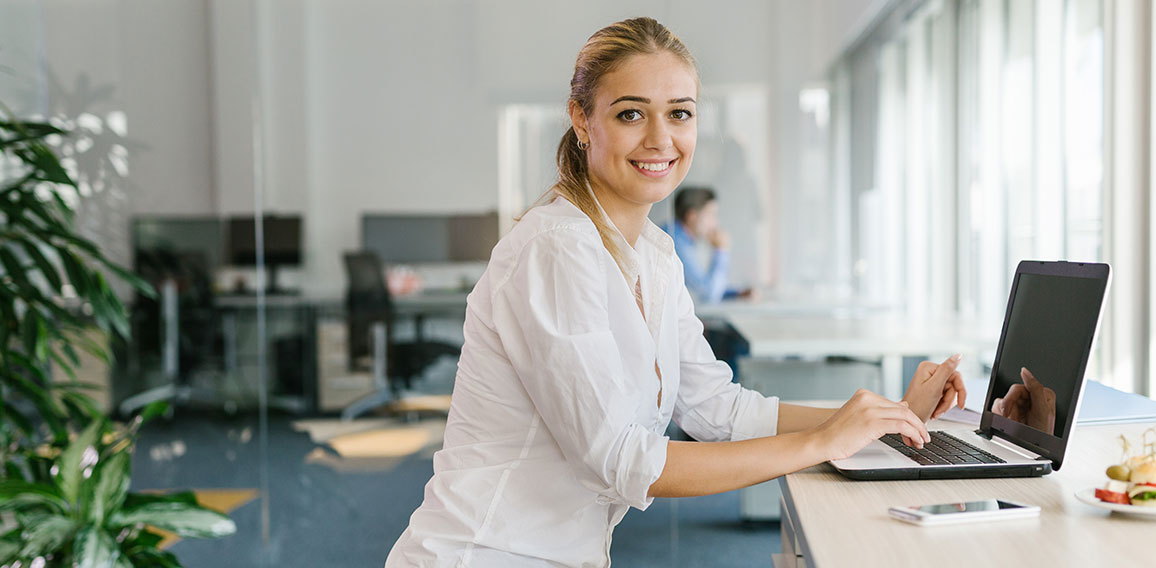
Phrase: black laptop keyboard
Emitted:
{"points": [[944, 449]]}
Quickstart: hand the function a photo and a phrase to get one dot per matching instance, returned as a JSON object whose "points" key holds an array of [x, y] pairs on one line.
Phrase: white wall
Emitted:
{"points": [[401, 99], [370, 106], [145, 59]]}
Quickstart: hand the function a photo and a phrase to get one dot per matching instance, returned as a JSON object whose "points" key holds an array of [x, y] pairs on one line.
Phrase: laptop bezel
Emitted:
{"points": [[1050, 447]]}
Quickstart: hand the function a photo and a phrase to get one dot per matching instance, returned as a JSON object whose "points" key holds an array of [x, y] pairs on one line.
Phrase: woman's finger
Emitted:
{"points": [[912, 420], [951, 395], [944, 403], [946, 369], [906, 428], [960, 388]]}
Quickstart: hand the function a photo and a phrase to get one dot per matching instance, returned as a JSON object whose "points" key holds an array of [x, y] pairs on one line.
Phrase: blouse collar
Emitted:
{"points": [[658, 249]]}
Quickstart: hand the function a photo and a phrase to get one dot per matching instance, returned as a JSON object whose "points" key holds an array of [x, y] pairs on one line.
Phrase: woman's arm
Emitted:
{"points": [[706, 468], [796, 418]]}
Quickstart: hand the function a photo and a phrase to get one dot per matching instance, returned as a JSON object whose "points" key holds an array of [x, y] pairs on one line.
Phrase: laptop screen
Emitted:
{"points": [[1040, 366]]}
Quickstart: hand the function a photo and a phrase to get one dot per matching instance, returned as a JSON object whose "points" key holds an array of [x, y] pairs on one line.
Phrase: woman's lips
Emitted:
{"points": [[652, 168]]}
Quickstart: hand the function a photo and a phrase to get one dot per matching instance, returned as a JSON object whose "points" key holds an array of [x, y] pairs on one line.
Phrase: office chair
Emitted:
{"points": [[178, 329], [370, 317]]}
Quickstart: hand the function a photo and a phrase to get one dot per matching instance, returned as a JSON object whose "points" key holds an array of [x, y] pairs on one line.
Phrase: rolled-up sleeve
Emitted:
{"points": [[710, 407], [552, 313]]}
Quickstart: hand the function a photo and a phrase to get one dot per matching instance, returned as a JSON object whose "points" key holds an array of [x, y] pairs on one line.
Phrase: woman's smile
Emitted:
{"points": [[653, 168]]}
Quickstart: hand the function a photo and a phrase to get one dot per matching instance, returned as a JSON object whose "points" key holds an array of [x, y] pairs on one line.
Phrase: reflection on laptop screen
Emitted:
{"points": [[1049, 330]]}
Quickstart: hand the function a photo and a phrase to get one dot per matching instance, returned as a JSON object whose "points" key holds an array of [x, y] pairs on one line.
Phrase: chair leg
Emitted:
{"points": [[366, 403], [383, 394]]}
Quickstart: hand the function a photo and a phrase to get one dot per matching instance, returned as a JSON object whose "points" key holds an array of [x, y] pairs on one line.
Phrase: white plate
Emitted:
{"points": [[1089, 496]]}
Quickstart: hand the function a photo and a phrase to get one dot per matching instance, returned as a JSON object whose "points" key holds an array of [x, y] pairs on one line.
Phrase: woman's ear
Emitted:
{"points": [[578, 121]]}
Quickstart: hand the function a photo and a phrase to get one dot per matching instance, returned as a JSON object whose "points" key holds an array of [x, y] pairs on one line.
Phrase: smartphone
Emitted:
{"points": [[970, 511]]}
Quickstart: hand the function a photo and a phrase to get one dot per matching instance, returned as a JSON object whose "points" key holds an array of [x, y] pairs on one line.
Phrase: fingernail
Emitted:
{"points": [[957, 357]]}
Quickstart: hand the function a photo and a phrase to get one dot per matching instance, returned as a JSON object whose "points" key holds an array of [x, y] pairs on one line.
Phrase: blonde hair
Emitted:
{"points": [[603, 53]]}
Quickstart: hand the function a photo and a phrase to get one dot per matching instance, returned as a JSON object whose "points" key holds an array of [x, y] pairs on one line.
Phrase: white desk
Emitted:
{"points": [[421, 303], [779, 307], [831, 521], [888, 338]]}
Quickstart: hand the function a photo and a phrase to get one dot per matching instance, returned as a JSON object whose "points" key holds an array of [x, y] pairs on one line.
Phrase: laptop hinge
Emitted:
{"points": [[1011, 447], [983, 434]]}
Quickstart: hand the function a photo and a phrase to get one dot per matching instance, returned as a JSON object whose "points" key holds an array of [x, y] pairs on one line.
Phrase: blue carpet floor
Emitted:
{"points": [[322, 517]]}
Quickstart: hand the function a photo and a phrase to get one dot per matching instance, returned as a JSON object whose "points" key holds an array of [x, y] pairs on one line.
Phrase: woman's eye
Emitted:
{"points": [[630, 115], [681, 114]]}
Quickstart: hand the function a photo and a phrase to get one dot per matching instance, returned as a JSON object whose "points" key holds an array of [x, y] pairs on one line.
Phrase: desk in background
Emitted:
{"points": [[306, 353], [289, 329], [774, 330], [829, 520]]}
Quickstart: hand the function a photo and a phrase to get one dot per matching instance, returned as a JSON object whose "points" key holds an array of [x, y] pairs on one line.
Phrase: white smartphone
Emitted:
{"points": [[970, 511]]}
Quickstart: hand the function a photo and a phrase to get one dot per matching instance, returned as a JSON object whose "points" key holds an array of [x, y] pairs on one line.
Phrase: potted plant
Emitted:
{"points": [[64, 466]]}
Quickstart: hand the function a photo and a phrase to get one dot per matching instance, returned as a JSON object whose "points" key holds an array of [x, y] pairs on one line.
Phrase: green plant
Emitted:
{"points": [[85, 515], [64, 500]]}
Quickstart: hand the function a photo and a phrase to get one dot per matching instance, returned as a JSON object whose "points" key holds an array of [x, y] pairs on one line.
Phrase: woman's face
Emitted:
{"points": [[642, 130]]}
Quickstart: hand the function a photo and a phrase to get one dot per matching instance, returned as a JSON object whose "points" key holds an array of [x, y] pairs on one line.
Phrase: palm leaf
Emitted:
{"points": [[13, 268], [181, 518], [153, 558], [9, 552], [94, 548], [77, 274], [20, 495], [46, 268], [45, 533], [112, 481], [136, 500], [69, 471], [17, 418], [52, 415], [139, 284]]}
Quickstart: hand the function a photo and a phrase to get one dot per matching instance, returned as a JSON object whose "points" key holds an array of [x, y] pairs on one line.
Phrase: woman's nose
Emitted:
{"points": [[658, 136]]}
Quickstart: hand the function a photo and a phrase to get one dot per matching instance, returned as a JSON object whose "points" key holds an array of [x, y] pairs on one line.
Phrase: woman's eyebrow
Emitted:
{"points": [[646, 101]]}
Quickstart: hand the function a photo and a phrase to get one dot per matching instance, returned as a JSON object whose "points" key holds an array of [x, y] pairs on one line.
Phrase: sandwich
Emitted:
{"points": [[1143, 478]]}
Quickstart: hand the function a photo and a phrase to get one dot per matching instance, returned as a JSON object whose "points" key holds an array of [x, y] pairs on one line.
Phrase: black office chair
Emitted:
{"points": [[178, 331], [370, 317]]}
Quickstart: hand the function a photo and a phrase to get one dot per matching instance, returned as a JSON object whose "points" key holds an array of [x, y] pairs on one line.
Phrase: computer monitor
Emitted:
{"points": [[282, 237], [175, 236], [416, 239]]}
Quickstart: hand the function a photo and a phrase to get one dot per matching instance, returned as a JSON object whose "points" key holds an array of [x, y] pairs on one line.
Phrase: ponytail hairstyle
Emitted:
{"points": [[602, 54]]}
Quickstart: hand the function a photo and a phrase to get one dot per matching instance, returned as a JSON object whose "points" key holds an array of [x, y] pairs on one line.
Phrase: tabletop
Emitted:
{"points": [[840, 522]]}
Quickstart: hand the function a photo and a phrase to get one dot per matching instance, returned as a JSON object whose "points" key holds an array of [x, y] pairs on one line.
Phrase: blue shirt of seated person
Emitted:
{"points": [[696, 217]]}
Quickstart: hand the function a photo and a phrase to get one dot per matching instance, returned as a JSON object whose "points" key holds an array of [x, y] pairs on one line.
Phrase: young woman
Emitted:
{"points": [[581, 345]]}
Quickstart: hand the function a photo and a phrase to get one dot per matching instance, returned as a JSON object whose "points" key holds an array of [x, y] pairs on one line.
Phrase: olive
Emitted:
{"points": [[1119, 472]]}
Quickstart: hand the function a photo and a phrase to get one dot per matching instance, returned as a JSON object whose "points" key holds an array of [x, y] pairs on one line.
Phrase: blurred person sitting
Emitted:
{"points": [[695, 220]]}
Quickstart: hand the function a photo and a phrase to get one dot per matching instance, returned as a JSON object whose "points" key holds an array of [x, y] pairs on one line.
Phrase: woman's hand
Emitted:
{"points": [[864, 418], [934, 388]]}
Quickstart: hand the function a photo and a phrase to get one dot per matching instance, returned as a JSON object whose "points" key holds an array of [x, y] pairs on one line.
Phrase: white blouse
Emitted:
{"points": [[562, 397]]}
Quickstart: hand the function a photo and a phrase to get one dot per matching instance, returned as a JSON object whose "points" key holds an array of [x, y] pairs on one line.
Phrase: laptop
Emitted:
{"points": [[1034, 393]]}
